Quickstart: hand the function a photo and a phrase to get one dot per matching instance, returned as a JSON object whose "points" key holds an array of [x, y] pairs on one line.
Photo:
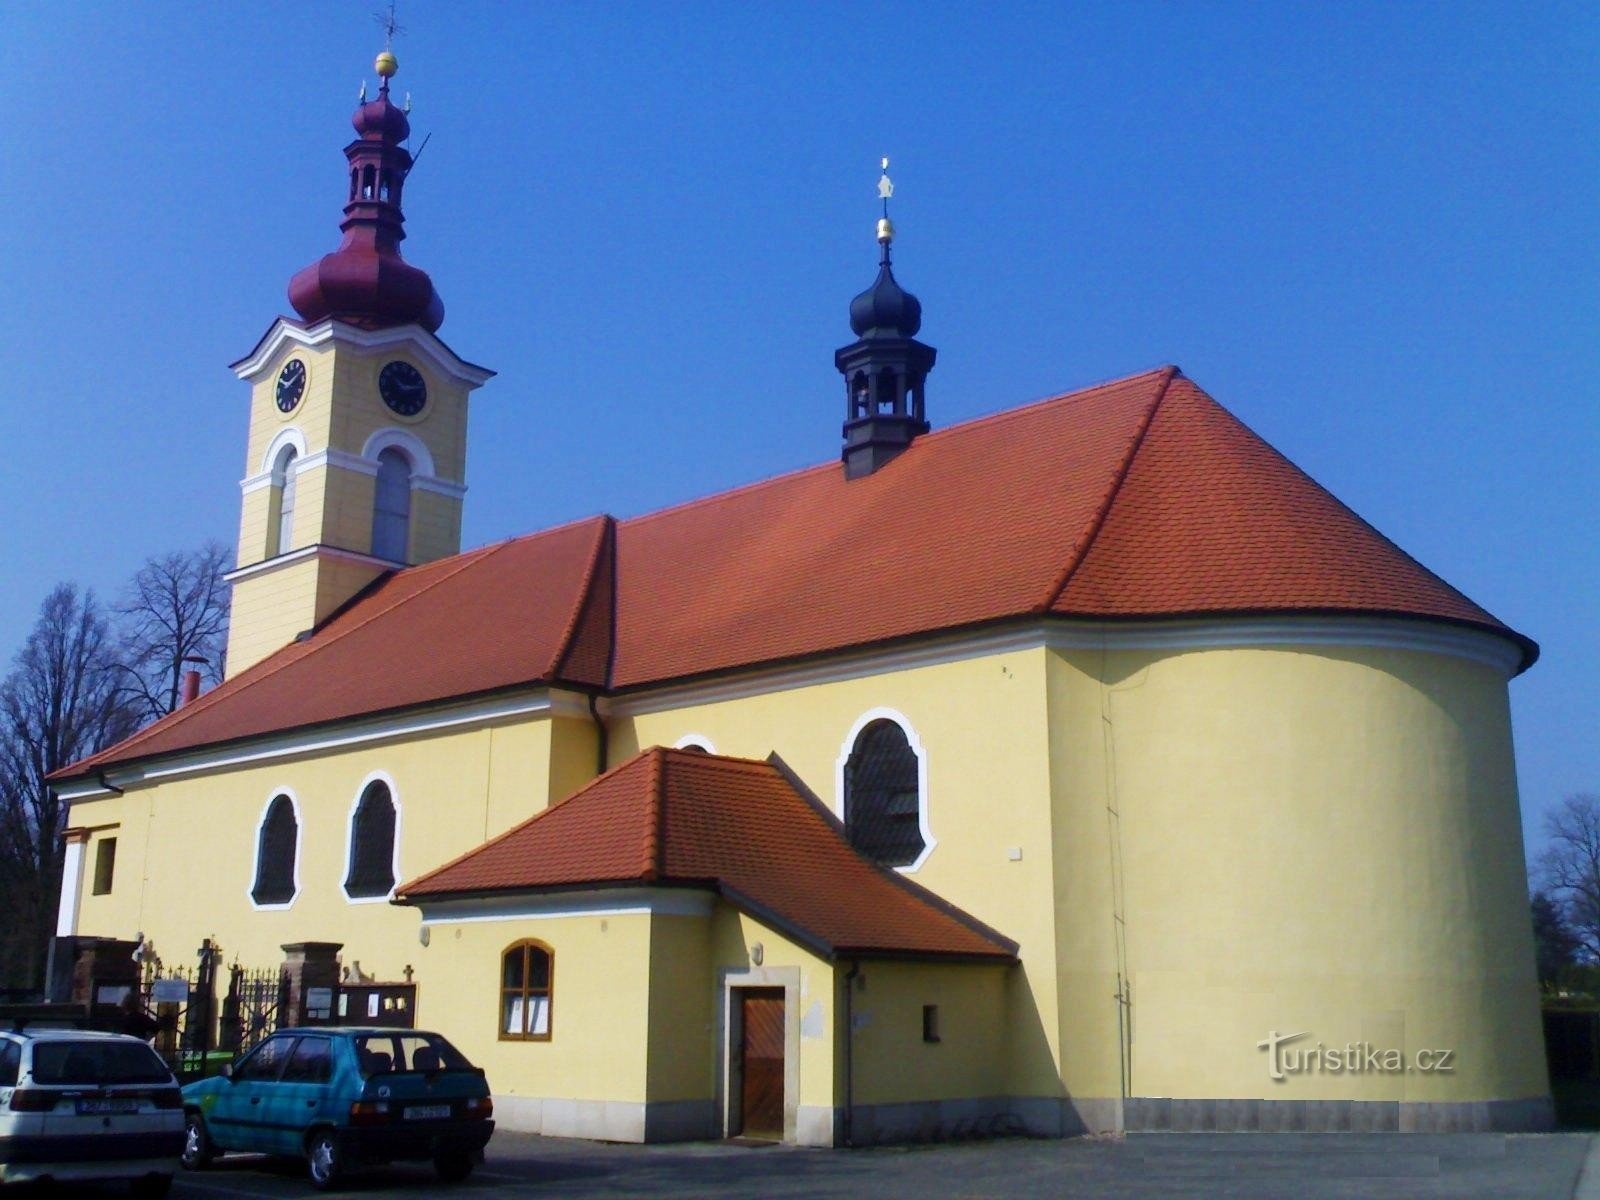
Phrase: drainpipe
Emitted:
{"points": [[602, 741], [849, 1041]]}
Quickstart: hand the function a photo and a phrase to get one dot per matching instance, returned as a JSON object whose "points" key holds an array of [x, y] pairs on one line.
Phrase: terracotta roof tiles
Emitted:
{"points": [[735, 826], [1142, 497]]}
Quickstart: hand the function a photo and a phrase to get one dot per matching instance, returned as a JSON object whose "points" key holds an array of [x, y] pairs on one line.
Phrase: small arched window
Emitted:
{"points": [[526, 977], [860, 396], [371, 867], [391, 512], [888, 393], [883, 795], [281, 527], [277, 845]]}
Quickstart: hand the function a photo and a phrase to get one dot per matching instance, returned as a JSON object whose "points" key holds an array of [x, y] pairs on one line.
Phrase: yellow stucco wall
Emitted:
{"points": [[186, 848], [600, 1004], [1320, 840]]}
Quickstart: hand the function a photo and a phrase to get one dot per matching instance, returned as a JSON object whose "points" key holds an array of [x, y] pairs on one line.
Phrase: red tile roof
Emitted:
{"points": [[735, 826], [1137, 498]]}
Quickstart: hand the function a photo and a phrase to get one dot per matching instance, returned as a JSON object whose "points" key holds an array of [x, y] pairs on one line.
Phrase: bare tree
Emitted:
{"points": [[60, 702], [174, 612], [1570, 868]]}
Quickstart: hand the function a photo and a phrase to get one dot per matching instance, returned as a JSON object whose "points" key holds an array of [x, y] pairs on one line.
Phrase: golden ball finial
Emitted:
{"points": [[387, 64]]}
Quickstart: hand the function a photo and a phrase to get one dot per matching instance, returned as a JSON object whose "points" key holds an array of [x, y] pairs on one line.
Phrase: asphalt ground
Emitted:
{"points": [[1212, 1166]]}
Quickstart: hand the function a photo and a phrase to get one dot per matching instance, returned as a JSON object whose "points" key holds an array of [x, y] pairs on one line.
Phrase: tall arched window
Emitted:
{"points": [[391, 512], [883, 795], [281, 528], [527, 972], [371, 867], [277, 845]]}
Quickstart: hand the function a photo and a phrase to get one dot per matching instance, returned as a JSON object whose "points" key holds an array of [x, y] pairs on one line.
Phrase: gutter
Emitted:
{"points": [[849, 1057]]}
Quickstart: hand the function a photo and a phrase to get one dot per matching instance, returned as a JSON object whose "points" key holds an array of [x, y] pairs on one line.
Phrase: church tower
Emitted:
{"points": [[358, 414], [884, 369]]}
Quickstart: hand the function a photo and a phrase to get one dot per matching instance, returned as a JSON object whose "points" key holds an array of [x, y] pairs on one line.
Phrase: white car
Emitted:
{"points": [[77, 1105]]}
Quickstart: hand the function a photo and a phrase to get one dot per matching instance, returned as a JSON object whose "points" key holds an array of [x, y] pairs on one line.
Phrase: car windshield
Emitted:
{"points": [[97, 1063], [385, 1053]]}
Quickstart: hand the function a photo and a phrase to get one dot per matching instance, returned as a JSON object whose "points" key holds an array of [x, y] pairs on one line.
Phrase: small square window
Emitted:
{"points": [[105, 865], [930, 1022]]}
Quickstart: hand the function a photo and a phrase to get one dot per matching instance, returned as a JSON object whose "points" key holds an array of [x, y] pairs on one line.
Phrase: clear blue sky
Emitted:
{"points": [[1369, 230]]}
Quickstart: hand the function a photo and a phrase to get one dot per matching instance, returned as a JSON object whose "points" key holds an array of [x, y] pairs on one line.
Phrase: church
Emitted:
{"points": [[1083, 767]]}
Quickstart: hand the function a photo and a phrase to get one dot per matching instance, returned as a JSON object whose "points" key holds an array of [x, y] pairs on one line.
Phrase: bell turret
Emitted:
{"points": [[884, 369]]}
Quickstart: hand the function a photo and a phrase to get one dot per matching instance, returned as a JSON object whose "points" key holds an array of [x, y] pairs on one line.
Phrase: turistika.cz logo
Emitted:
{"points": [[1352, 1058]]}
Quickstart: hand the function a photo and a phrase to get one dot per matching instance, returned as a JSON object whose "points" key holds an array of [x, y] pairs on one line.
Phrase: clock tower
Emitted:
{"points": [[356, 464]]}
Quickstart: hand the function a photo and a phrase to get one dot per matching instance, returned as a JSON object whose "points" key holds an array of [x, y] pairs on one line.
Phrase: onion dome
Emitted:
{"points": [[885, 308], [365, 282]]}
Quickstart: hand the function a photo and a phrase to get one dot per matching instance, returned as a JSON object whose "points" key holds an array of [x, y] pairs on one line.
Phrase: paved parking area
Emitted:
{"points": [[1203, 1166]]}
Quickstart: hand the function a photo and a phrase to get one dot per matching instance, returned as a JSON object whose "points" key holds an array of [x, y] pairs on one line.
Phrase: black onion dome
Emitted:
{"points": [[885, 308]]}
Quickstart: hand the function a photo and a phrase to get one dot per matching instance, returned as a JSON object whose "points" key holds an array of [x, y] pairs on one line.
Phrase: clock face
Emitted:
{"points": [[291, 384], [402, 388]]}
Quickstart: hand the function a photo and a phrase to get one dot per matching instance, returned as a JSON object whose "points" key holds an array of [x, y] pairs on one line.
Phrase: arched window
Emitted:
{"points": [[888, 393], [883, 795], [695, 741], [281, 527], [391, 511], [371, 867], [277, 845], [526, 975], [860, 396]]}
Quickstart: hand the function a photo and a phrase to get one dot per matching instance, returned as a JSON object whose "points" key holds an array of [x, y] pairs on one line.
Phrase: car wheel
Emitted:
{"points": [[150, 1187], [323, 1160], [197, 1152], [453, 1165]]}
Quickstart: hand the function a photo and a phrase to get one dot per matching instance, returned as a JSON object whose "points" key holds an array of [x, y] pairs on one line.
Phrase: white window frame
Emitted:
{"points": [[924, 822], [387, 780], [404, 441], [255, 852], [289, 435], [698, 741]]}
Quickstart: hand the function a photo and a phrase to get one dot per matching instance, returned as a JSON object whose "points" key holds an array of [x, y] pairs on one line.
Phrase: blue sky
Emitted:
{"points": [[1369, 230]]}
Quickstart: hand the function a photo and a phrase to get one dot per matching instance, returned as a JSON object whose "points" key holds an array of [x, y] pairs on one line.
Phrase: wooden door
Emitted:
{"points": [[761, 1062]]}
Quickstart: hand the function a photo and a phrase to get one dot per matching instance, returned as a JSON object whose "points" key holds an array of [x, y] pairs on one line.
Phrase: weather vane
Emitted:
{"points": [[885, 190], [386, 21]]}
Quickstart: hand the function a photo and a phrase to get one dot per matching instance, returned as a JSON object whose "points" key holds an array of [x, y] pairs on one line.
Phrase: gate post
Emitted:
{"points": [[306, 965]]}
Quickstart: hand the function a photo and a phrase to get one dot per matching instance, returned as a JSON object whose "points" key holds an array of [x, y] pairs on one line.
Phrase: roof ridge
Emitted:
{"points": [[934, 435], [278, 661], [569, 635], [656, 816], [1097, 520]]}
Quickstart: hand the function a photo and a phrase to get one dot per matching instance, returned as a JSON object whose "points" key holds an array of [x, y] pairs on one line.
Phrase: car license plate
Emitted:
{"points": [[427, 1112], [86, 1107]]}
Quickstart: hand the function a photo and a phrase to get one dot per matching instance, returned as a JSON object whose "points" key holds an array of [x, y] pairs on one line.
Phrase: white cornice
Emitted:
{"points": [[346, 461], [317, 551], [358, 732], [415, 337], [1214, 633], [599, 902]]}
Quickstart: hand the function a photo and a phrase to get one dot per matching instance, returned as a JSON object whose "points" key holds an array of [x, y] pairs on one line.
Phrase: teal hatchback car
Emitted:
{"points": [[341, 1098]]}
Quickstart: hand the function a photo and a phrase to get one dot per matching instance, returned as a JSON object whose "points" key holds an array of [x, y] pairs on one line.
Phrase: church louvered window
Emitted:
{"points": [[882, 795], [391, 512], [371, 870], [276, 847], [282, 525]]}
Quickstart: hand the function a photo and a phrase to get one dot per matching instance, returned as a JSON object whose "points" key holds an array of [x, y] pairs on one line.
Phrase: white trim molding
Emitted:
{"points": [[409, 444], [71, 886], [358, 732], [320, 550], [255, 857], [1209, 633], [924, 824], [284, 332], [599, 902], [387, 780], [694, 741]]}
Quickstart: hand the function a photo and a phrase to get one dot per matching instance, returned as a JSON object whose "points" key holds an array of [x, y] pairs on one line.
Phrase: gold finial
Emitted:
{"points": [[885, 190], [387, 64]]}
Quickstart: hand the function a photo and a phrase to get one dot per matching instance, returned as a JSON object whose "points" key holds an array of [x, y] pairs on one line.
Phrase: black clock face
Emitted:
{"points": [[402, 388], [291, 384]]}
